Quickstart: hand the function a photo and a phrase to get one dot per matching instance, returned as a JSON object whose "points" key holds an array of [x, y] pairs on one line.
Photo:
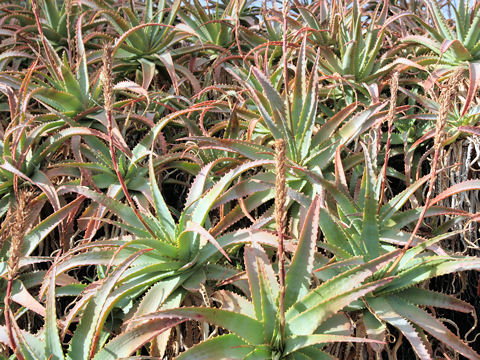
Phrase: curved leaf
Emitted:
{"points": [[299, 273], [245, 327], [225, 346], [127, 342], [424, 320]]}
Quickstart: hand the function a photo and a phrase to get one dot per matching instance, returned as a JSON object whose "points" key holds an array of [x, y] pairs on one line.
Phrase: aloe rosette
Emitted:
{"points": [[362, 231], [181, 255], [312, 317]]}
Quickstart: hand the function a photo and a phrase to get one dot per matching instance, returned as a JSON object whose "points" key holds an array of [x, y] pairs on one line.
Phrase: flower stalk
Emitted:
{"points": [[107, 73], [280, 220], [17, 232], [390, 120]]}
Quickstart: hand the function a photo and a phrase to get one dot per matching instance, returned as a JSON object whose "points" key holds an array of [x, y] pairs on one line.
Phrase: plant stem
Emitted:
{"points": [[17, 233], [280, 219], [288, 106], [108, 95], [390, 119]]}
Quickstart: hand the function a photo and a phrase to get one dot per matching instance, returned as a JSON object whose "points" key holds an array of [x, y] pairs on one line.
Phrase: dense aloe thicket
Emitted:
{"points": [[239, 179]]}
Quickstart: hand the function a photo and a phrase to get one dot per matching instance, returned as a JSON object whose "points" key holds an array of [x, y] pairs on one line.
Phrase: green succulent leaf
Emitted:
{"points": [[129, 341], [53, 345], [85, 338], [296, 343], [248, 329], [382, 308], [309, 320], [161, 208], [430, 324], [298, 277], [340, 284], [224, 346]]}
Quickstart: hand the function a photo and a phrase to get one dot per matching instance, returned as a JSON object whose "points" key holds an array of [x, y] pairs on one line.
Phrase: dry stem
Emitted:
{"points": [[107, 72], [280, 219], [17, 231]]}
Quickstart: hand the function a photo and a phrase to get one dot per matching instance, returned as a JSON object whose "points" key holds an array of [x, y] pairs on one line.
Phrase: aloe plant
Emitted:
{"points": [[359, 49], [213, 24], [59, 21], [311, 141], [310, 314], [182, 253], [451, 46], [88, 340], [367, 230], [143, 32], [148, 37], [69, 93], [463, 115]]}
